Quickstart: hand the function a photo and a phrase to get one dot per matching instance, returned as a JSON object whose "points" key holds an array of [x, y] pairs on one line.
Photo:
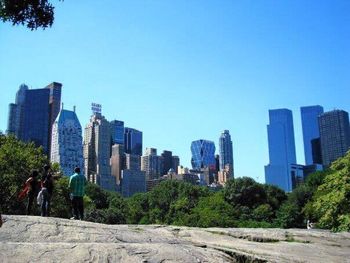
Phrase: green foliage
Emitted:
{"points": [[212, 211], [32, 13], [244, 192], [330, 203], [60, 202], [98, 196], [17, 160]]}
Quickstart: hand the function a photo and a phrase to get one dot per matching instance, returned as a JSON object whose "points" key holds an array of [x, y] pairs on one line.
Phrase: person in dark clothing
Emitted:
{"points": [[47, 179], [33, 187]]}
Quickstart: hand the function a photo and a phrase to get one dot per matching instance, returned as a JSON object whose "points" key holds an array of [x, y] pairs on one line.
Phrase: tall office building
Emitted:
{"points": [[226, 155], [97, 152], [133, 179], [281, 143], [67, 142], [334, 135], [33, 114], [151, 164], [309, 119], [55, 89], [15, 117], [203, 154], [167, 161], [35, 118], [117, 162], [117, 132], [175, 163], [133, 141]]}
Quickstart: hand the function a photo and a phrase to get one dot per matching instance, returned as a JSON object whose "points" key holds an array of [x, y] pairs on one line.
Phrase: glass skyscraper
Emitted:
{"points": [[33, 114], [281, 143], [35, 118], [334, 135], [309, 119], [133, 141], [225, 146], [117, 132], [203, 154]]}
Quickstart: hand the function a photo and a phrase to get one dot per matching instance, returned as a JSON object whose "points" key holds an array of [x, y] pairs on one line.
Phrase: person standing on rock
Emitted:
{"points": [[47, 179], [33, 186], [77, 184]]}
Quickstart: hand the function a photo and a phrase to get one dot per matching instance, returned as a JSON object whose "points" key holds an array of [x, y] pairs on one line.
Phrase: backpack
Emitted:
{"points": [[39, 198]]}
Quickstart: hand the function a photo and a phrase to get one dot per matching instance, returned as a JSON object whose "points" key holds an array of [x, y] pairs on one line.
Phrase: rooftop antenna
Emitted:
{"points": [[74, 108], [62, 106]]}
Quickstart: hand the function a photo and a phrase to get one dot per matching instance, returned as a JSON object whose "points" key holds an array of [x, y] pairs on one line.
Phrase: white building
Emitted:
{"points": [[67, 142]]}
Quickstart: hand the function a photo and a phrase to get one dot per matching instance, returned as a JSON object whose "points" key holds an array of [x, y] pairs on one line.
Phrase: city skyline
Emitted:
{"points": [[183, 71]]}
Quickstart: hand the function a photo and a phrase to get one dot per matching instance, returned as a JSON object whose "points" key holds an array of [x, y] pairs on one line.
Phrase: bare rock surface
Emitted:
{"points": [[37, 239]]}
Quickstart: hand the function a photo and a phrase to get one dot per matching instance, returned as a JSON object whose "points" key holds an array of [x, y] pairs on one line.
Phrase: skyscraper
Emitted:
{"points": [[309, 119], [117, 132], [226, 155], [117, 162], [167, 161], [203, 154], [151, 164], [54, 106], [133, 141], [33, 114], [35, 123], [281, 143], [97, 152], [334, 135], [67, 142]]}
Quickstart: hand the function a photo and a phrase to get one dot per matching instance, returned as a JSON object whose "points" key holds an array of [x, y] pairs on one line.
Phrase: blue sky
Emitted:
{"points": [[186, 70]]}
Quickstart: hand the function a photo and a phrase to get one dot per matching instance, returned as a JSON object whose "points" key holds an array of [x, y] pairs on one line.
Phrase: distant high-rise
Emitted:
{"points": [[117, 162], [117, 132], [67, 142], [133, 179], [54, 106], [33, 114], [167, 161], [226, 155], [151, 164], [35, 118], [97, 152], [309, 119], [281, 143], [175, 162], [334, 135], [133, 141], [203, 154]]}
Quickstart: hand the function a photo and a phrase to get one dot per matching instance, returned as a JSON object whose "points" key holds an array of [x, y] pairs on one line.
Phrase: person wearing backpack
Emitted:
{"points": [[47, 179], [33, 185]]}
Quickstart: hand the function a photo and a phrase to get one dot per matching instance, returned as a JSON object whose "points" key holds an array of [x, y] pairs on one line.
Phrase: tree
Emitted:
{"points": [[17, 160], [32, 13], [244, 192], [330, 203]]}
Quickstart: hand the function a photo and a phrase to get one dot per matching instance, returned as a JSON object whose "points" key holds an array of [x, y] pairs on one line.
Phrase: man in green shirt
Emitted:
{"points": [[77, 184]]}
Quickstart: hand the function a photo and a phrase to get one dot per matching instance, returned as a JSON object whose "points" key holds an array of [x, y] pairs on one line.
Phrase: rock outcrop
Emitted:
{"points": [[37, 239]]}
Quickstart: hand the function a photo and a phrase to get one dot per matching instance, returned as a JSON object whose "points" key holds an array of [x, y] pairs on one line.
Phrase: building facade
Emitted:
{"points": [[334, 135], [67, 142], [117, 132], [31, 117], [97, 152], [226, 154], [203, 154], [281, 144], [309, 120], [55, 89], [151, 164], [133, 141]]}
